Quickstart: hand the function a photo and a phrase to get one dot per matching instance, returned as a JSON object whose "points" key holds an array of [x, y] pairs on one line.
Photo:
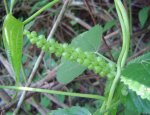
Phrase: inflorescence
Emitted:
{"points": [[87, 59]]}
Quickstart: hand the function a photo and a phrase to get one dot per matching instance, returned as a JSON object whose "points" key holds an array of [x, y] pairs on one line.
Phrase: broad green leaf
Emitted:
{"points": [[87, 41], [137, 76], [143, 15], [134, 105], [13, 41], [69, 71], [71, 111]]}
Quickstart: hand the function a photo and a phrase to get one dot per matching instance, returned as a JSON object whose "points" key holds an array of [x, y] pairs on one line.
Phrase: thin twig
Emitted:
{"points": [[41, 55], [38, 106], [78, 20], [90, 11]]}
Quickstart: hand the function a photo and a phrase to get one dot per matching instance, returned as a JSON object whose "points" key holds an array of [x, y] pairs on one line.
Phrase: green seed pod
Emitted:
{"points": [[66, 55], [39, 44], [64, 46], [52, 49], [86, 62], [95, 63], [90, 67], [102, 74], [33, 40], [106, 70], [51, 42], [42, 39], [110, 76], [29, 36], [80, 61], [45, 48], [112, 66], [102, 63], [26, 32], [89, 55], [99, 59], [74, 56], [33, 34], [78, 50], [97, 69]]}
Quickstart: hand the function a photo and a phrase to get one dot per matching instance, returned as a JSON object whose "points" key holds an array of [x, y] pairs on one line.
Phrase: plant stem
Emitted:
{"points": [[6, 7], [111, 107], [123, 18], [54, 92], [11, 6], [113, 87], [40, 11], [130, 16], [36, 65]]}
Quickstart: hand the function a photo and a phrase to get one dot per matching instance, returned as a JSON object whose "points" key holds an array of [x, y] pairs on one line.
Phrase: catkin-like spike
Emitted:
{"points": [[88, 59]]}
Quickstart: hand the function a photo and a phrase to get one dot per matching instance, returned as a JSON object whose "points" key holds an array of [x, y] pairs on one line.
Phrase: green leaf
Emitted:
{"points": [[69, 71], [137, 76], [134, 105], [71, 111], [108, 25], [45, 102], [143, 15], [87, 41], [13, 41]]}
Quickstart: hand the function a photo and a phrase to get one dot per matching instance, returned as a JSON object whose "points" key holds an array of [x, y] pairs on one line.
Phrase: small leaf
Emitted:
{"points": [[87, 41], [143, 15], [71, 111], [137, 76], [13, 41], [108, 25], [45, 102]]}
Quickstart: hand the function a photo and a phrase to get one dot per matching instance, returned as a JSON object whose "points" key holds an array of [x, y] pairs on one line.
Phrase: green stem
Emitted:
{"points": [[40, 11], [11, 6], [53, 92], [113, 87], [123, 18], [130, 17], [111, 107], [6, 7]]}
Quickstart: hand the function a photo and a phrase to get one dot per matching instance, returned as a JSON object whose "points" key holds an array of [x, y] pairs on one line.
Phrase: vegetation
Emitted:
{"points": [[90, 81]]}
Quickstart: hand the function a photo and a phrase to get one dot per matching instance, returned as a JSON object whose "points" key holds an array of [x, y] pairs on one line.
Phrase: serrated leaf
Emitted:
{"points": [[87, 41], [143, 15], [137, 76], [134, 105], [13, 41], [71, 111]]}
